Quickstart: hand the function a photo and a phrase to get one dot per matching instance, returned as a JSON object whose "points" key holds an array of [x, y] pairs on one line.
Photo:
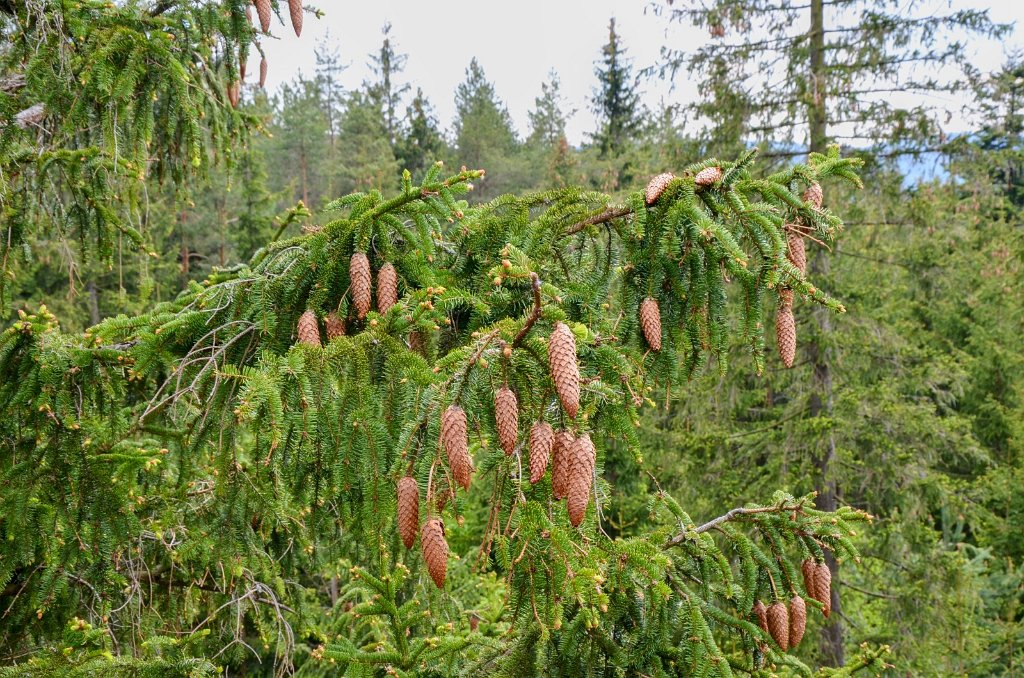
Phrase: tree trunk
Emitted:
{"points": [[94, 303], [820, 403]]}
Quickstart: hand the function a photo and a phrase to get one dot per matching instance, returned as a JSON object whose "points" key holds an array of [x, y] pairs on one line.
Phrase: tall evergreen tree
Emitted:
{"points": [[548, 119], [616, 101], [422, 142], [484, 134], [383, 90]]}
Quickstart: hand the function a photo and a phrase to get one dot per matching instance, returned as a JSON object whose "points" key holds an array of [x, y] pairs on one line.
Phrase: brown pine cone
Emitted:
{"points": [[387, 288], [542, 438], [796, 249], [762, 615], [560, 451], [650, 322], [408, 510], [295, 9], [234, 91], [580, 478], [435, 550], [506, 416], [797, 620], [786, 296], [417, 342], [263, 11], [335, 325], [785, 334], [263, 72], [248, 14], [656, 186], [807, 568], [565, 372], [456, 445], [241, 67], [823, 587], [360, 281], [308, 331], [708, 177], [814, 195], [778, 624]]}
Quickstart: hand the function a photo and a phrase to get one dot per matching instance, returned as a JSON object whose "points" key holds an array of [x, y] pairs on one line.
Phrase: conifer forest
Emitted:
{"points": [[300, 377]]}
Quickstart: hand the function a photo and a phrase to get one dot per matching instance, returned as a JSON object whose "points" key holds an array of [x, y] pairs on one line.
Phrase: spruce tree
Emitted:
{"points": [[422, 141], [227, 477], [616, 101], [484, 134], [99, 97], [384, 91]]}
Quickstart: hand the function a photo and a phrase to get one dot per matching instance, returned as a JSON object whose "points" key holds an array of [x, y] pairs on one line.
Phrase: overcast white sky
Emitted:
{"points": [[518, 43]]}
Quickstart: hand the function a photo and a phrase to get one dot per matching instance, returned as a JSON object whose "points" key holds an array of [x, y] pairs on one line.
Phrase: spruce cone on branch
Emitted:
{"points": [[565, 372], [263, 11], [778, 624], [542, 438], [580, 478], [360, 282], [708, 177], [807, 568], [785, 333], [408, 510], [295, 9], [234, 91], [796, 250], [560, 451], [308, 331], [435, 550], [797, 620], [650, 322], [335, 325], [823, 587], [814, 195], [506, 415], [456, 445], [263, 72], [656, 187], [761, 612], [387, 288]]}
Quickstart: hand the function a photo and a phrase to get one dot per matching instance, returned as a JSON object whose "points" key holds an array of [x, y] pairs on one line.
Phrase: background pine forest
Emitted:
{"points": [[198, 477]]}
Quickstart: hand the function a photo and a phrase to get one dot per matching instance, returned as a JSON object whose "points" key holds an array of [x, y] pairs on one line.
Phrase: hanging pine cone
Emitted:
{"points": [[761, 612], [650, 322], [708, 177], [560, 451], [814, 195], [456, 445], [295, 9], [335, 325], [542, 438], [408, 510], [263, 72], [778, 624], [308, 331], [360, 281], [241, 68], [796, 250], [248, 14], [797, 620], [823, 587], [387, 288], [656, 187], [506, 416], [435, 550], [417, 342], [565, 372], [580, 478], [263, 11], [234, 91], [786, 296], [785, 333]]}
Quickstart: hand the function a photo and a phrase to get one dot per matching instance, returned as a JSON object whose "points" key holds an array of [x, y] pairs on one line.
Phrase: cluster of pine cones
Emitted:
{"points": [[263, 11], [360, 277], [796, 252], [785, 625], [572, 458]]}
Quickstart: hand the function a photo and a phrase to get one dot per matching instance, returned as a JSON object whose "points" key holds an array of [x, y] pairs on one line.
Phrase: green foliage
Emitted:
{"points": [[194, 469]]}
